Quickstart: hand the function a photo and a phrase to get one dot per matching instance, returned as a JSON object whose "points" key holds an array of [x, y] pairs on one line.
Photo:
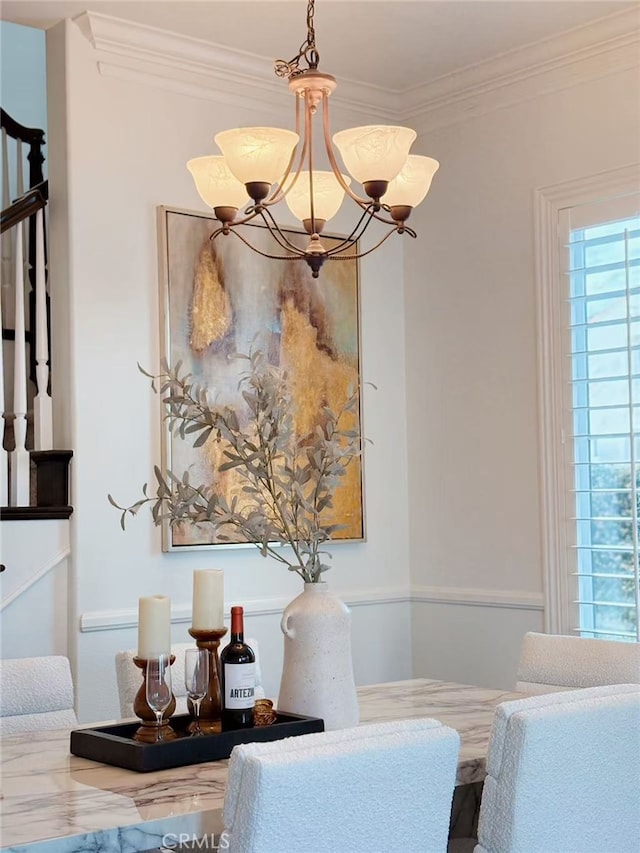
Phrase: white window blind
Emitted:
{"points": [[601, 401]]}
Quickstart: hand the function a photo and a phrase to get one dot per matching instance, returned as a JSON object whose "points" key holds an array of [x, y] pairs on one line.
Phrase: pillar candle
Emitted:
{"points": [[208, 599], [154, 626]]}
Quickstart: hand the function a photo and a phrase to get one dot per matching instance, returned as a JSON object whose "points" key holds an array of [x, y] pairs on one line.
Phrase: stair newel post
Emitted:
{"points": [[43, 422], [19, 467], [4, 467]]}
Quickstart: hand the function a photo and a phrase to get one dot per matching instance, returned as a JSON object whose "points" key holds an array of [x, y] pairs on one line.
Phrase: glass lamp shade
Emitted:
{"points": [[412, 183], [258, 154], [375, 152], [216, 185], [327, 195]]}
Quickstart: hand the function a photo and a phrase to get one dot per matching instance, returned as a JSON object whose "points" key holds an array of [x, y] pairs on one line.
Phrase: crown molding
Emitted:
{"points": [[191, 66], [603, 47], [197, 68]]}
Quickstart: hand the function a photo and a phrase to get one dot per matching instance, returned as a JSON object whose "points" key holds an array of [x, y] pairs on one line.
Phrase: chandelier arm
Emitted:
{"points": [[250, 213], [375, 214], [396, 228], [363, 202], [229, 226], [277, 234], [356, 234], [356, 231], [331, 254], [296, 257], [279, 193]]}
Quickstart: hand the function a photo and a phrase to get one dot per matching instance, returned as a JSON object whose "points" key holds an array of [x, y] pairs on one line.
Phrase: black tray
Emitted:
{"points": [[115, 744]]}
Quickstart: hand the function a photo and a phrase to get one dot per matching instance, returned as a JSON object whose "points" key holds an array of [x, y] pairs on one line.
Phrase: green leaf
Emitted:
{"points": [[203, 438], [234, 463]]}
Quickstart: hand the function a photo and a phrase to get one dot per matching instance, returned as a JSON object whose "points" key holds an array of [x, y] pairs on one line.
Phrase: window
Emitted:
{"points": [[604, 298], [589, 323]]}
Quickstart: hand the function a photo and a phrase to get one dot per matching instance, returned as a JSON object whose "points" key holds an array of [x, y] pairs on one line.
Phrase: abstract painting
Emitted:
{"points": [[220, 298]]}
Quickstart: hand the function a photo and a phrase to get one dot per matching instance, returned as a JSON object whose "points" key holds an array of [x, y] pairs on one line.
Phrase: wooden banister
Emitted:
{"points": [[34, 137], [24, 207]]}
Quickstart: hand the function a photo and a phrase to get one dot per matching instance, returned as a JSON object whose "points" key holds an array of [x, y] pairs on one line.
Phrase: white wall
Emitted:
{"points": [[118, 148], [471, 369], [33, 589]]}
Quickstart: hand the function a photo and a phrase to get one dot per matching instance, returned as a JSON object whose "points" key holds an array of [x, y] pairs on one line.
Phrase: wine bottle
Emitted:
{"points": [[238, 677]]}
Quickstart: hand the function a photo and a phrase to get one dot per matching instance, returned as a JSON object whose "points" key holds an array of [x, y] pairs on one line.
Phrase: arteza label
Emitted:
{"points": [[239, 685]]}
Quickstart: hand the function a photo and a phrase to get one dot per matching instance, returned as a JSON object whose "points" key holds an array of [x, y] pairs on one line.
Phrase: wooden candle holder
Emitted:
{"points": [[149, 731], [211, 705]]}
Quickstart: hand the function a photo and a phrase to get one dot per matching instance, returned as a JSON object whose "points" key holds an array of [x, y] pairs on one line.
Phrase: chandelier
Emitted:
{"points": [[266, 165]]}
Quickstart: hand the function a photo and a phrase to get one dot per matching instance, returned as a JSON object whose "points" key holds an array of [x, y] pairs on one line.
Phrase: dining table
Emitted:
{"points": [[54, 802]]}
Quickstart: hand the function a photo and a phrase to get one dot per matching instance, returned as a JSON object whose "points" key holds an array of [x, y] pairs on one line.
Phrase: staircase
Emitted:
{"points": [[34, 479]]}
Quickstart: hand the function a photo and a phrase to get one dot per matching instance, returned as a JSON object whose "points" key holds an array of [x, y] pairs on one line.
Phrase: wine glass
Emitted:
{"points": [[196, 680], [158, 688]]}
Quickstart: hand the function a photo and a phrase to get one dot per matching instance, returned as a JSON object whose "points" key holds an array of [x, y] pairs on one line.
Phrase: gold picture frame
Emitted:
{"points": [[219, 298]]}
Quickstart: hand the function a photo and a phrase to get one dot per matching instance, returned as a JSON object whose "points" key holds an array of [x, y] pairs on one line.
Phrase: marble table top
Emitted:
{"points": [[467, 709], [54, 802]]}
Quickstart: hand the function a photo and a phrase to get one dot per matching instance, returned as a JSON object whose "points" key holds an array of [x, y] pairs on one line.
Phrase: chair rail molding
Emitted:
{"points": [[114, 620], [467, 596]]}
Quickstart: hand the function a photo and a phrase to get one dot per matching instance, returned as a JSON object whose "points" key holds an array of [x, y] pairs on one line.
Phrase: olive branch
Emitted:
{"points": [[287, 480]]}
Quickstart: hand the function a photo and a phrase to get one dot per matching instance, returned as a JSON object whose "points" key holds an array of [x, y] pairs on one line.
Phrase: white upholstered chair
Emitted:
{"points": [[386, 786], [129, 677], [552, 662], [563, 774], [36, 693]]}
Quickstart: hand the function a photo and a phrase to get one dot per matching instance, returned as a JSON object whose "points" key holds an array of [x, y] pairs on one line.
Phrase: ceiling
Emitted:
{"points": [[394, 44]]}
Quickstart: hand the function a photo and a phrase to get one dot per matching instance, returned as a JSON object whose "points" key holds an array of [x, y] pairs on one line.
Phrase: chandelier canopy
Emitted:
{"points": [[261, 166]]}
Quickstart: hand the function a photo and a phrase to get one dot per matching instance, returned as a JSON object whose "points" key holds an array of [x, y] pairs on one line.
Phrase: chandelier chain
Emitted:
{"points": [[308, 51]]}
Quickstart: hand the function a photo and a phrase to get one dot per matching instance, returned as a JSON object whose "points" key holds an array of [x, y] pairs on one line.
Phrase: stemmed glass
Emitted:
{"points": [[196, 680], [159, 688]]}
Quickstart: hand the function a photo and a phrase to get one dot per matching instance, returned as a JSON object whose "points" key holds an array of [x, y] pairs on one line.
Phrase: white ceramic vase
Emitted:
{"points": [[317, 675]]}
